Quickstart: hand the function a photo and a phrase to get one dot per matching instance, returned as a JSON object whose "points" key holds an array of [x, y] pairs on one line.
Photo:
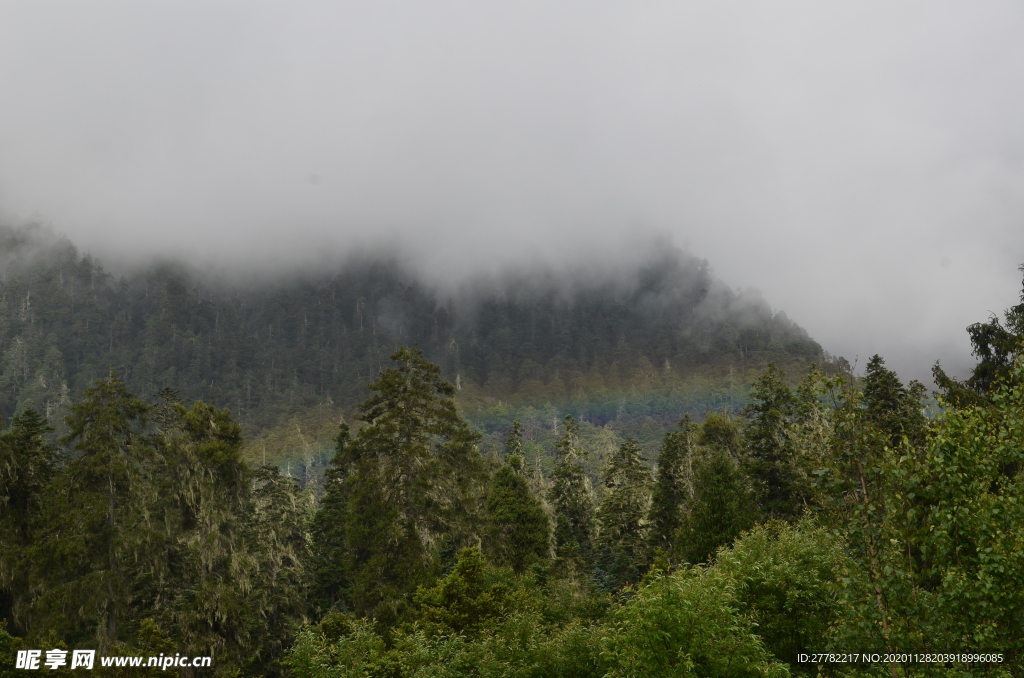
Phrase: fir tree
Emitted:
{"points": [[571, 497], [95, 521], [723, 502], [277, 540], [895, 409], [770, 414], [723, 505], [517, 530], [408, 484], [622, 516], [28, 462], [673, 486], [464, 601], [327, 529], [997, 345], [208, 565]]}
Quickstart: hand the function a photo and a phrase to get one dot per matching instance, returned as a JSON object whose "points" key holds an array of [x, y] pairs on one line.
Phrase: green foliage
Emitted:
{"points": [[997, 345], [463, 601], [673, 485], [521, 647], [936, 532], [28, 462], [9, 646], [95, 519], [328, 530], [622, 517], [785, 579], [571, 497], [772, 454], [476, 621], [154, 540], [685, 624], [517, 531], [723, 505], [205, 567], [893, 409], [275, 530], [404, 489], [327, 651]]}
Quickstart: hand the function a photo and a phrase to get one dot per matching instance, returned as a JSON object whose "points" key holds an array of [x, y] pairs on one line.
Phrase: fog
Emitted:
{"points": [[861, 164]]}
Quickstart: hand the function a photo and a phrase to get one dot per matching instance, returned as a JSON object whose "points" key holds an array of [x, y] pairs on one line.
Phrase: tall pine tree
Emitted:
{"points": [[772, 452], [517, 531], [28, 462], [571, 497], [673, 486], [622, 517], [723, 505], [95, 522], [406, 488]]}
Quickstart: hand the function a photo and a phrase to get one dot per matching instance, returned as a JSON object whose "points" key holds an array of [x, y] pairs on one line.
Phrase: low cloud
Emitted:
{"points": [[862, 165]]}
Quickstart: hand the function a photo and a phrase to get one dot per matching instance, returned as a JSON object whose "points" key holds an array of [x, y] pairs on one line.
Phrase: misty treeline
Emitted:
{"points": [[832, 516], [640, 341]]}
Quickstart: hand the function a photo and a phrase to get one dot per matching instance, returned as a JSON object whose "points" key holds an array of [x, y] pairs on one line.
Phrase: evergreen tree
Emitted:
{"points": [[28, 462], [277, 540], [997, 345], [410, 481], [722, 501], [673, 485], [723, 505], [327, 529], [720, 433], [517, 530], [96, 534], [896, 410], [571, 497], [622, 516], [208, 567], [514, 442], [772, 455], [464, 601]]}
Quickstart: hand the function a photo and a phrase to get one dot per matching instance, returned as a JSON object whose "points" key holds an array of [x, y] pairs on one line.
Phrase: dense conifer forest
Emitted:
{"points": [[291, 355], [503, 495]]}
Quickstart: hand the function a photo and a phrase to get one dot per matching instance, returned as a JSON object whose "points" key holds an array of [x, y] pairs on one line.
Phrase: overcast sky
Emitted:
{"points": [[860, 163]]}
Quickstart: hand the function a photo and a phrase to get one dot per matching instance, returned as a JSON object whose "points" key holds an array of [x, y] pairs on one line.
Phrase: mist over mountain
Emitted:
{"points": [[653, 337]]}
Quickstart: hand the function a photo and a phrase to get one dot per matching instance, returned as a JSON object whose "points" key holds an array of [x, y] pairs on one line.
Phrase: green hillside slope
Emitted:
{"points": [[290, 356]]}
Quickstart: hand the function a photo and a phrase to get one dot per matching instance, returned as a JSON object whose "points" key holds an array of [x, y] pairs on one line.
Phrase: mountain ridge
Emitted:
{"points": [[650, 339]]}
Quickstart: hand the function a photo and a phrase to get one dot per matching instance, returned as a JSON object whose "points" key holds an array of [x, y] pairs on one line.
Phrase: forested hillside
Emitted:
{"points": [[827, 529], [291, 354]]}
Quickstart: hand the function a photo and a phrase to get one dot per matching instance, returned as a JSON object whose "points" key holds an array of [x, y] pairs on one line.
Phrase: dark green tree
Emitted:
{"points": [[95, 522], [410, 482], [464, 601], [276, 535], [673, 485], [517, 531], [721, 433], [723, 505], [514, 442], [206, 568], [571, 497], [622, 517], [724, 501], [996, 345], [894, 409], [772, 459], [328, 556], [28, 462]]}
